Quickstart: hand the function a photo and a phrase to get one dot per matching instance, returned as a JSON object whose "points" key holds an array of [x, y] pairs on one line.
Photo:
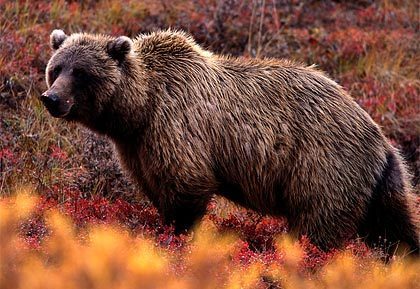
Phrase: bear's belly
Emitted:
{"points": [[266, 201]]}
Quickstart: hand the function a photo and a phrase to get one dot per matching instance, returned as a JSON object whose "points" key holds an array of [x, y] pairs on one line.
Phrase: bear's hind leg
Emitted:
{"points": [[326, 230], [389, 224], [390, 227]]}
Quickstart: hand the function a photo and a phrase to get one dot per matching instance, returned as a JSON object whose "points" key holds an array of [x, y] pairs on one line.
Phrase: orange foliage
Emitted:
{"points": [[105, 256]]}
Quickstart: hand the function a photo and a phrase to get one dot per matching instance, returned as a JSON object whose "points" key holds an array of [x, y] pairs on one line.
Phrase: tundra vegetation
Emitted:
{"points": [[69, 218]]}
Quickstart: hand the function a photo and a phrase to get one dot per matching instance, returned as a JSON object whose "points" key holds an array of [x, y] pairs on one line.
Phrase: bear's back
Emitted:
{"points": [[259, 124]]}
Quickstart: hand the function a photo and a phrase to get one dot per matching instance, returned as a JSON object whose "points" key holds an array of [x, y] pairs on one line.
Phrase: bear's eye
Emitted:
{"points": [[79, 73], [55, 72]]}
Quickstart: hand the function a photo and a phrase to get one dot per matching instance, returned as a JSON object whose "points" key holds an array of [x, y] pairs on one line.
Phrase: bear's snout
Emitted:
{"points": [[49, 99], [55, 105]]}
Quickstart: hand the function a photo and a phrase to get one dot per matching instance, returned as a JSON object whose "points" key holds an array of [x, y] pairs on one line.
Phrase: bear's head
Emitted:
{"points": [[84, 74]]}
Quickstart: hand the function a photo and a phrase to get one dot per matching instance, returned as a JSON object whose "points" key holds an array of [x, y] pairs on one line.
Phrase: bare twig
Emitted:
{"points": [[260, 28], [251, 27]]}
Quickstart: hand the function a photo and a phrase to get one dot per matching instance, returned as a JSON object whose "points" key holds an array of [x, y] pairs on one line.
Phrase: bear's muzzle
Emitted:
{"points": [[55, 105]]}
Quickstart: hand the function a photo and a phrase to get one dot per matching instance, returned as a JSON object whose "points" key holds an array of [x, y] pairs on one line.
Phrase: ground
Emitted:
{"points": [[81, 196]]}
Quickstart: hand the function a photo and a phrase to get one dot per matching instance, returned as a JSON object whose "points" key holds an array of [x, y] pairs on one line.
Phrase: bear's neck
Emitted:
{"points": [[127, 115], [118, 125]]}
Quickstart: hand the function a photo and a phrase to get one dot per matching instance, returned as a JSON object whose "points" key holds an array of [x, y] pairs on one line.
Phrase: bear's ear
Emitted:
{"points": [[57, 38], [119, 48]]}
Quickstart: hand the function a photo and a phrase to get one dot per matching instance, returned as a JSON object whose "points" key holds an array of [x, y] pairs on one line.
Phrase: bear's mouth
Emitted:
{"points": [[59, 114], [59, 109]]}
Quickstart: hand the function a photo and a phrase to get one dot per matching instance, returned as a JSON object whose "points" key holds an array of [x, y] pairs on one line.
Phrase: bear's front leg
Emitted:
{"points": [[184, 211]]}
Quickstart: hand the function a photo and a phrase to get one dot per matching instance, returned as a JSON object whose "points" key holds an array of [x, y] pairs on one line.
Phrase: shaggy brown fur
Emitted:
{"points": [[271, 135]]}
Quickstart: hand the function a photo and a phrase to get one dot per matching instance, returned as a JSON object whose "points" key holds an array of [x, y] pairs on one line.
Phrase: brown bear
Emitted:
{"points": [[271, 135]]}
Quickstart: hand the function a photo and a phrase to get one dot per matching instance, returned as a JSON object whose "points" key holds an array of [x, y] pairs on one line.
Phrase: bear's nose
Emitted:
{"points": [[50, 98]]}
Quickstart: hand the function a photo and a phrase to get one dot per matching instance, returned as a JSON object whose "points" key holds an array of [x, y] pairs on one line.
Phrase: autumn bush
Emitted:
{"points": [[103, 255], [82, 224]]}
